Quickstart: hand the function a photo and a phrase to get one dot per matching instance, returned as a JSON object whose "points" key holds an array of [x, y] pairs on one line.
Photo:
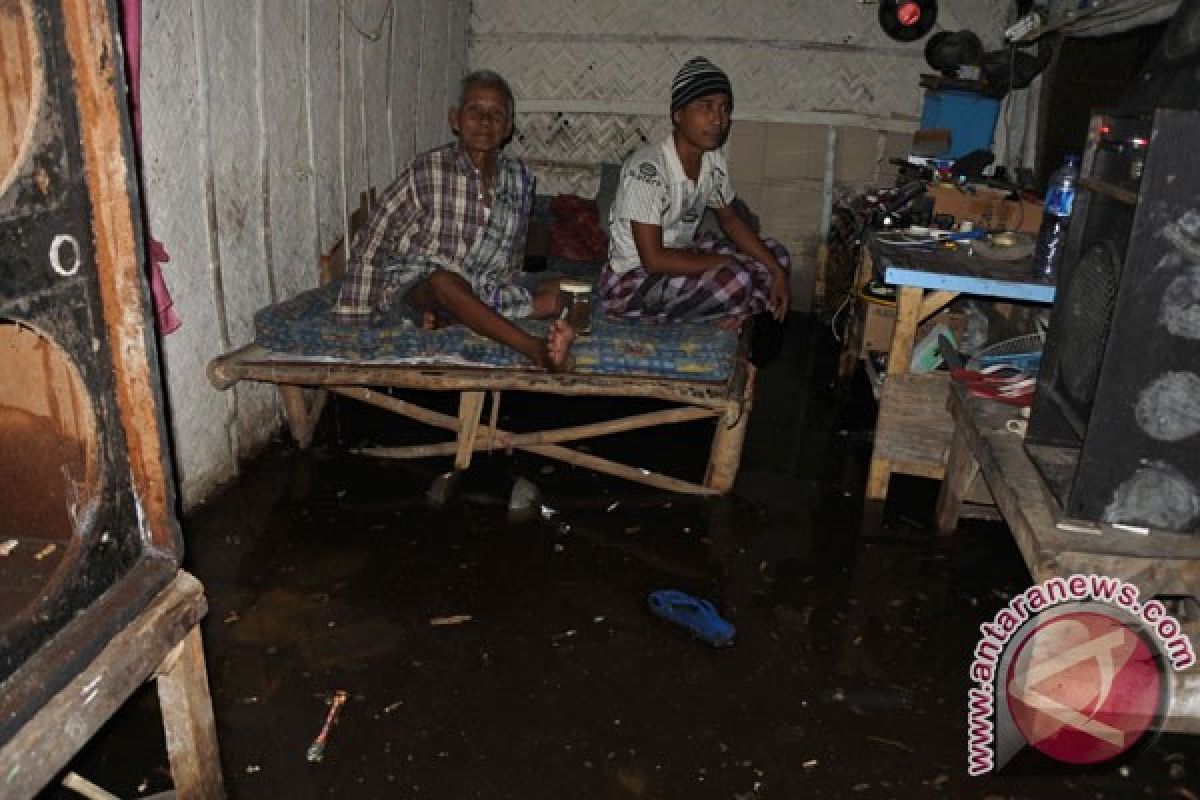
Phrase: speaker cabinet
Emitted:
{"points": [[1115, 424], [87, 528]]}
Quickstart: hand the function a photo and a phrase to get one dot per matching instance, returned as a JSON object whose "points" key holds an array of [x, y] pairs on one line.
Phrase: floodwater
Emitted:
{"points": [[491, 658]]}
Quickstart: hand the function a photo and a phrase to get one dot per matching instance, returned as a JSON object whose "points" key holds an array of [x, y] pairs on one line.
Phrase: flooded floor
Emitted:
{"points": [[491, 658]]}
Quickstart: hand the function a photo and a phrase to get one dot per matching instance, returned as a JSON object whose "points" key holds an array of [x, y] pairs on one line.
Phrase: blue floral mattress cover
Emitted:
{"points": [[305, 326]]}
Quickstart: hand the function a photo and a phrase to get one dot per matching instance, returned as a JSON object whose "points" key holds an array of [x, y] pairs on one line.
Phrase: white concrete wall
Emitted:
{"points": [[263, 120]]}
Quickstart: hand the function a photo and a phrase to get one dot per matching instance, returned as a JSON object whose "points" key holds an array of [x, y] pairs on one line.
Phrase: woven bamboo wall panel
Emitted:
{"points": [[764, 79], [564, 151], [592, 75], [841, 22]]}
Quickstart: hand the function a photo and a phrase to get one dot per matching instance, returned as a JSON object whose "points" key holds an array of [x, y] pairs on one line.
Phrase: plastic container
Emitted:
{"points": [[970, 116], [1056, 218], [927, 355], [975, 334]]}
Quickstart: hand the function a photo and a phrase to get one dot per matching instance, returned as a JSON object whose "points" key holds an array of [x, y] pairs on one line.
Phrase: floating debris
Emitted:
{"points": [[45, 551], [892, 743], [441, 488], [524, 502], [316, 750], [453, 619], [8, 546]]}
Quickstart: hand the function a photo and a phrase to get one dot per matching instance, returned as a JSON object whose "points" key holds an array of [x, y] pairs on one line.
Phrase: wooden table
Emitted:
{"points": [[912, 433], [1159, 564], [162, 643]]}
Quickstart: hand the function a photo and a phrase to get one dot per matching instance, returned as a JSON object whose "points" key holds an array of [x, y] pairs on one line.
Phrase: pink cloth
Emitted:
{"points": [[131, 29]]}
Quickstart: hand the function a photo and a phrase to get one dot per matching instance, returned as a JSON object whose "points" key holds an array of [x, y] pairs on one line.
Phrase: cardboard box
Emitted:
{"points": [[879, 321], [878, 324], [987, 208]]}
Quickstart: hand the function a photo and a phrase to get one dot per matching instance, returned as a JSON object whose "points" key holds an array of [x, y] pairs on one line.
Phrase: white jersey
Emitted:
{"points": [[654, 190]]}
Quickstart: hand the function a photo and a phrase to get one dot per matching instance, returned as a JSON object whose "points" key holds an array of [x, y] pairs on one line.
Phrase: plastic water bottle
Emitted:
{"points": [[1060, 200]]}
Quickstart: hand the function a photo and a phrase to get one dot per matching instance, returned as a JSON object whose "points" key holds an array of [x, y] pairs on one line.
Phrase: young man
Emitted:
{"points": [[656, 268], [448, 236]]}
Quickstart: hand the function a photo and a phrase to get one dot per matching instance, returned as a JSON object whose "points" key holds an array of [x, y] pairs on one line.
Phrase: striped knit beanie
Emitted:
{"points": [[697, 78]]}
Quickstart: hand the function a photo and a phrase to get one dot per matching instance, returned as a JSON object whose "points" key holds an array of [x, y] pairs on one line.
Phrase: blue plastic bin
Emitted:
{"points": [[971, 118]]}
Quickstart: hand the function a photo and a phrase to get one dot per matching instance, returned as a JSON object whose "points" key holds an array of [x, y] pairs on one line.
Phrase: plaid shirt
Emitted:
{"points": [[433, 217]]}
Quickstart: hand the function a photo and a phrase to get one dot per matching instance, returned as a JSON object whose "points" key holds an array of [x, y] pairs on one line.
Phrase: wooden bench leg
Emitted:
{"points": [[961, 469], [726, 453], [877, 479], [301, 416], [188, 722], [470, 409]]}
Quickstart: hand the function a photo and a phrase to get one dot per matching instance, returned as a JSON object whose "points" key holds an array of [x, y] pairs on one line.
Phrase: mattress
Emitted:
{"points": [[305, 326]]}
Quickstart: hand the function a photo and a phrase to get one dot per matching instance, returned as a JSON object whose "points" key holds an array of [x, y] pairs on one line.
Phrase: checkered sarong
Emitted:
{"points": [[739, 288]]}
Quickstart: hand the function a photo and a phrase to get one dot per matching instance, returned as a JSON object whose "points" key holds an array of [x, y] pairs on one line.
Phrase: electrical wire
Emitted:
{"points": [[878, 301]]}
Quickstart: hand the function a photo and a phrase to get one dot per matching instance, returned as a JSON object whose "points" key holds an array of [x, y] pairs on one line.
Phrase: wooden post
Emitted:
{"points": [[301, 417], [726, 453], [188, 723], [470, 409], [494, 421], [854, 330], [961, 469], [908, 316], [877, 479]]}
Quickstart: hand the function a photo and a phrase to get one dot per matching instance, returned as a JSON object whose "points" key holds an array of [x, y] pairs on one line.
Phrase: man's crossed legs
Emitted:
{"points": [[448, 293]]}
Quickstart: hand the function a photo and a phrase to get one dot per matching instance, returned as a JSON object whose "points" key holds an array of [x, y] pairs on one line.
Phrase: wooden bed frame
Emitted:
{"points": [[304, 386]]}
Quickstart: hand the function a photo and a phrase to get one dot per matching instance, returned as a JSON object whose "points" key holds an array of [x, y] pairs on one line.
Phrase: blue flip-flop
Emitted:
{"points": [[698, 616]]}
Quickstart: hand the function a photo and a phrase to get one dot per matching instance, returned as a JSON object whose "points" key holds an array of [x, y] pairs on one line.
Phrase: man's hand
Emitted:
{"points": [[781, 294]]}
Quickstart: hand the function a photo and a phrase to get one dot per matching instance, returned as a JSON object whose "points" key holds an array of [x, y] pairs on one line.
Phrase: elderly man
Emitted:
{"points": [[448, 236]]}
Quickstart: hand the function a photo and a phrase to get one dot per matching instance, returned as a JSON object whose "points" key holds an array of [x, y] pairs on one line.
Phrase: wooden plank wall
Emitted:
{"points": [[262, 122]]}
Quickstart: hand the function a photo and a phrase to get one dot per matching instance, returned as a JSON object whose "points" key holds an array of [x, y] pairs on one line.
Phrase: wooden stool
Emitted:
{"points": [[1160, 565], [161, 643]]}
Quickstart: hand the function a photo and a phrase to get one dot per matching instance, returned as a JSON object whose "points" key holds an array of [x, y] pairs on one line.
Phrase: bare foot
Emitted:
{"points": [[558, 346]]}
